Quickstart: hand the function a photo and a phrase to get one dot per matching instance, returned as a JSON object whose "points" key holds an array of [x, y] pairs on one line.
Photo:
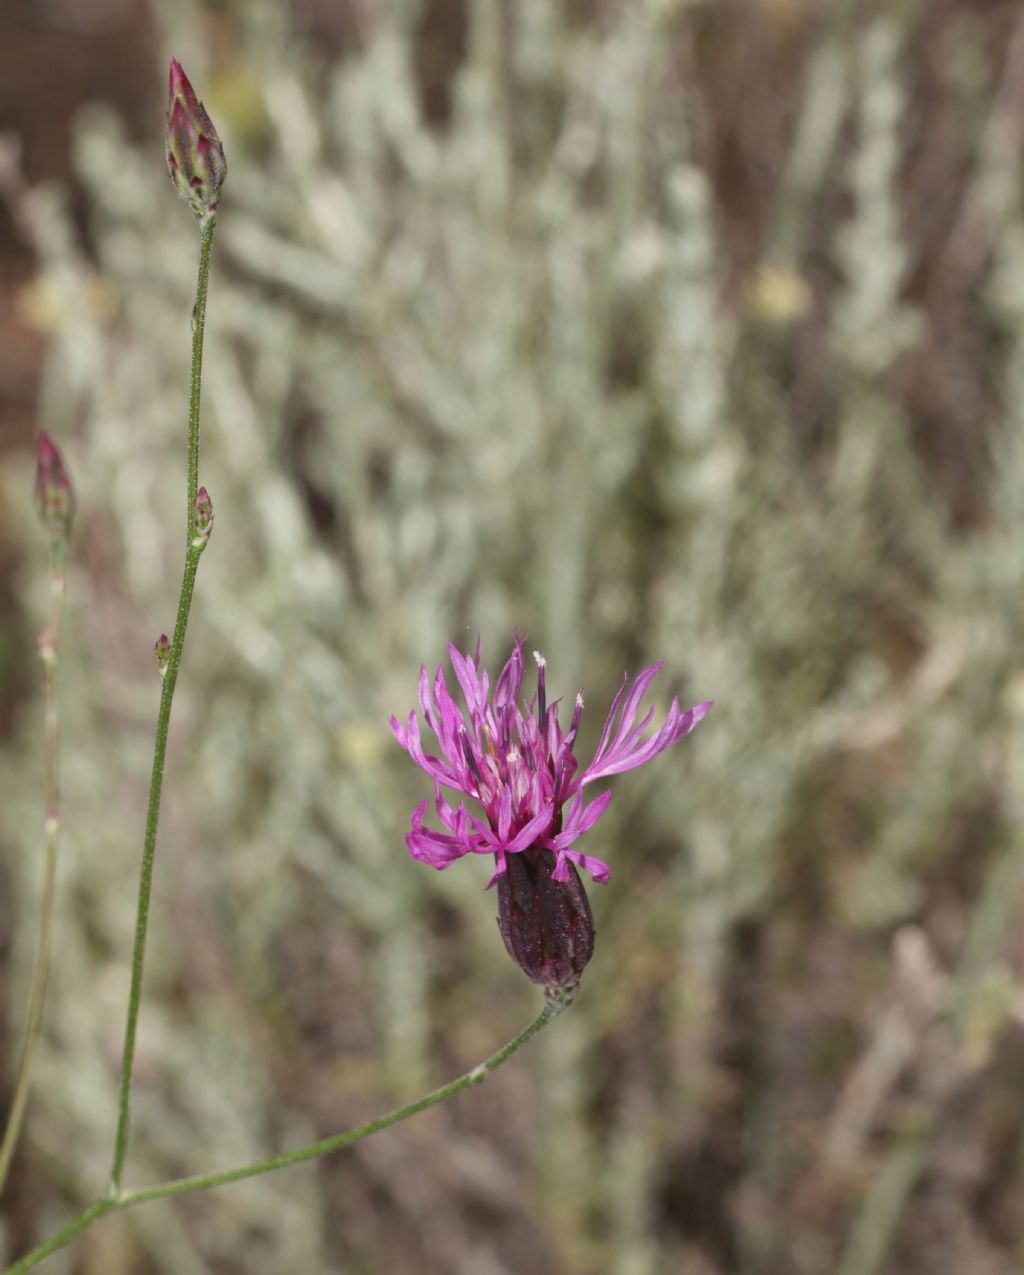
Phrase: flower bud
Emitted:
{"points": [[163, 653], [202, 519], [547, 925], [195, 156], [54, 498]]}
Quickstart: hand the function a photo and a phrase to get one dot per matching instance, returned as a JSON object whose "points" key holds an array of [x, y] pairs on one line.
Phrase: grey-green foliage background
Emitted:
{"points": [[676, 331]]}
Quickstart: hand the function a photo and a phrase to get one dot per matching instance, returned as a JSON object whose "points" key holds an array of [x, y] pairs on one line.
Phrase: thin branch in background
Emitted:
{"points": [[55, 503]]}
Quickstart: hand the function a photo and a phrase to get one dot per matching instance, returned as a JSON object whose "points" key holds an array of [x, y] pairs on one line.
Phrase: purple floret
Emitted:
{"points": [[519, 766]]}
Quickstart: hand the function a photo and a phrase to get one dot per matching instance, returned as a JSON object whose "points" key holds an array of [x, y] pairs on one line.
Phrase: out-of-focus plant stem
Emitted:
{"points": [[49, 641], [192, 555], [116, 1199]]}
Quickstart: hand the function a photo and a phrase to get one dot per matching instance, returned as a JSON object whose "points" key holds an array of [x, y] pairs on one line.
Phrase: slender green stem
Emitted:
{"points": [[207, 226], [48, 649], [203, 1181], [192, 554], [64, 1236], [117, 1199]]}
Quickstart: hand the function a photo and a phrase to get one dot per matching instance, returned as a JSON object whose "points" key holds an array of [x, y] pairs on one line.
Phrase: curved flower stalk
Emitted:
{"points": [[521, 769]]}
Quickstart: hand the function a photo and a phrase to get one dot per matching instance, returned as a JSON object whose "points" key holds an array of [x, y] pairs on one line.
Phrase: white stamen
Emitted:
{"points": [[512, 756], [541, 661], [579, 699]]}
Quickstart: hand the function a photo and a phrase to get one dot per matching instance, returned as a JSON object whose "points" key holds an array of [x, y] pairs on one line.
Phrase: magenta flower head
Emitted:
{"points": [[516, 763], [55, 500], [195, 156]]}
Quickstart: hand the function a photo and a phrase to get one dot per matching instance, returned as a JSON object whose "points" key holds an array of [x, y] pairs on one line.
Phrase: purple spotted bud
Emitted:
{"points": [[195, 156], [163, 653], [202, 519], [54, 498], [547, 925]]}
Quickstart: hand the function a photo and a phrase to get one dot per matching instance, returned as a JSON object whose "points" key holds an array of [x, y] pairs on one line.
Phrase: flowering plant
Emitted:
{"points": [[512, 759], [521, 769]]}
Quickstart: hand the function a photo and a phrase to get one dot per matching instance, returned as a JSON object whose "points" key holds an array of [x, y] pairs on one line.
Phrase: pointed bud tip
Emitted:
{"points": [[195, 156], [202, 519], [179, 87]]}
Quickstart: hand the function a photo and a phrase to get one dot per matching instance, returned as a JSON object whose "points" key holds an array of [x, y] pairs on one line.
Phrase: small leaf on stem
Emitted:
{"points": [[202, 519], [46, 648], [163, 653]]}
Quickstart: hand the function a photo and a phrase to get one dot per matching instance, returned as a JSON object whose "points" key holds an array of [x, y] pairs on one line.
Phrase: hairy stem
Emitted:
{"points": [[192, 554], [48, 649], [202, 1182], [117, 1199]]}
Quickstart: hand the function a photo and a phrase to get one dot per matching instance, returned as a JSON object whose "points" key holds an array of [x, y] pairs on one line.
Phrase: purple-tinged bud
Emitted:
{"points": [[202, 519], [163, 653], [547, 925], [195, 156], [54, 498]]}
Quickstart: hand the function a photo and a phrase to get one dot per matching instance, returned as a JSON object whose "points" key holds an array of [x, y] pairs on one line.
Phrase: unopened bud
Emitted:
{"points": [[195, 156], [202, 519], [54, 498], [163, 653], [547, 925]]}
